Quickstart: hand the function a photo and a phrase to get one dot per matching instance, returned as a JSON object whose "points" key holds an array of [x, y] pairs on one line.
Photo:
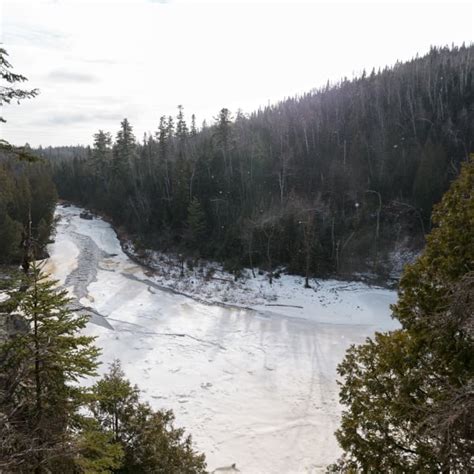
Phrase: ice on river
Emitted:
{"points": [[254, 388]]}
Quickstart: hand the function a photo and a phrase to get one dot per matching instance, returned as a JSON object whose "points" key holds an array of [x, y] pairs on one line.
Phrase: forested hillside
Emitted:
{"points": [[337, 181]]}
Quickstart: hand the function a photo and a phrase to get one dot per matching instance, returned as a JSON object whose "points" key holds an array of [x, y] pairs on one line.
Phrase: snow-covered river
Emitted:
{"points": [[257, 389]]}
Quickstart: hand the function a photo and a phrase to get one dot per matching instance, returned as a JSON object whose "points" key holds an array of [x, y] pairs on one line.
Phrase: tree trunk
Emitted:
{"points": [[269, 258], [250, 258], [38, 387]]}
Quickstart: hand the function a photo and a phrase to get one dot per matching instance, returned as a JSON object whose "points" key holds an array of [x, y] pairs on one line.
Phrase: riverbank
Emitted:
{"points": [[326, 301], [334, 301]]}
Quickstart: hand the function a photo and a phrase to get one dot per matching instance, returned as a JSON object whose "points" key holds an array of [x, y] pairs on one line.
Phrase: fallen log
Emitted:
{"points": [[285, 305]]}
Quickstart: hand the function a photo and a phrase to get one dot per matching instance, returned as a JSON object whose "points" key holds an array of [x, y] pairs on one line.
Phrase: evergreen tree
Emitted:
{"points": [[181, 127], [97, 453], [114, 402], [125, 149], [41, 365], [101, 154], [150, 442], [409, 393], [9, 91], [193, 130], [196, 221], [222, 135]]}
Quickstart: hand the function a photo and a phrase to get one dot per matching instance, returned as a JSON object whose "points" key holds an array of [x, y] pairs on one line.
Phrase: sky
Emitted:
{"points": [[96, 62]]}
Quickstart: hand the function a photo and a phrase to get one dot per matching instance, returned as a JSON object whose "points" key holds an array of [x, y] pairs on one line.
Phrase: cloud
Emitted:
{"points": [[75, 118], [61, 75], [66, 119]]}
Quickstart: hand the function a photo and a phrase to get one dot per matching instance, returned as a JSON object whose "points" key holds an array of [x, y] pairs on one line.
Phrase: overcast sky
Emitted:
{"points": [[96, 62]]}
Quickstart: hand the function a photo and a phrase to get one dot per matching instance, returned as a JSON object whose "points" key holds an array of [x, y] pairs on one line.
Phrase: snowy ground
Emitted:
{"points": [[327, 301], [254, 387]]}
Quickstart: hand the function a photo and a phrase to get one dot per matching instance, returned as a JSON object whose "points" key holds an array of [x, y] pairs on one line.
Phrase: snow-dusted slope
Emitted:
{"points": [[254, 388]]}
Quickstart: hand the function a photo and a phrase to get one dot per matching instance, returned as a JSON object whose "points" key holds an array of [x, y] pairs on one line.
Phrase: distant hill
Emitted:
{"points": [[338, 181]]}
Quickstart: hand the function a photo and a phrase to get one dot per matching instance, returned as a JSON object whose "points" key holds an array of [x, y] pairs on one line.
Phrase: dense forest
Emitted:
{"points": [[339, 181], [27, 201]]}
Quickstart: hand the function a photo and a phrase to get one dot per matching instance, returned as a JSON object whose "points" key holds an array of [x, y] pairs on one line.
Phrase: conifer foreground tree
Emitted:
{"points": [[409, 393], [49, 423], [41, 364], [149, 440], [9, 91]]}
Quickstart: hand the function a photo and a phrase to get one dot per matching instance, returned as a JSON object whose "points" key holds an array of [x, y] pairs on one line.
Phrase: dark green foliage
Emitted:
{"points": [[39, 406], [10, 238], [26, 189], [196, 224], [377, 151], [48, 423], [97, 452], [115, 400], [150, 442], [409, 393]]}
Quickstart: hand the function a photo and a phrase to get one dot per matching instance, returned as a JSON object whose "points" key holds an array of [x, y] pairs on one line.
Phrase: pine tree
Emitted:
{"points": [[409, 392]]}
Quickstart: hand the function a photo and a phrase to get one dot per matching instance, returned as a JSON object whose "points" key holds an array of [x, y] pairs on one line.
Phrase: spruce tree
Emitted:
{"points": [[101, 154], [124, 149], [196, 224], [41, 366], [181, 127], [193, 130]]}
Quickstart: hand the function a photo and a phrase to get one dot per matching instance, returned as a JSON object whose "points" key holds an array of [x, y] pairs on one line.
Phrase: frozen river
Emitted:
{"points": [[255, 389]]}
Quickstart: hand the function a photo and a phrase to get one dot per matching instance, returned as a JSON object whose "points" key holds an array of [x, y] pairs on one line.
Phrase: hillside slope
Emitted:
{"points": [[338, 181]]}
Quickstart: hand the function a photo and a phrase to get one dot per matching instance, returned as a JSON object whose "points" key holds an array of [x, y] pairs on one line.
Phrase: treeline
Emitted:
{"points": [[337, 181], [27, 200]]}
